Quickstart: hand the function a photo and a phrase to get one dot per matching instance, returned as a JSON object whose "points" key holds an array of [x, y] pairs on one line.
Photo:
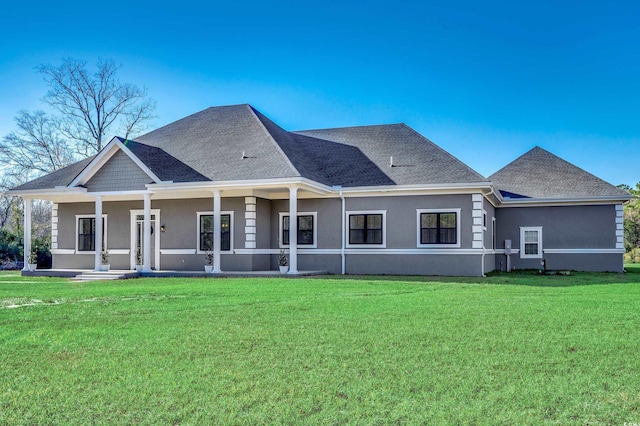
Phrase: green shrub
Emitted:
{"points": [[632, 256], [10, 246]]}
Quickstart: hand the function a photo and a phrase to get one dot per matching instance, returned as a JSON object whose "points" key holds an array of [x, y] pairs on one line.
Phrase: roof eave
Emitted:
{"points": [[521, 202], [243, 184], [45, 192]]}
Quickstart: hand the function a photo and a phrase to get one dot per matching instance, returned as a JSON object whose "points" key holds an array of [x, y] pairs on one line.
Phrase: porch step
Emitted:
{"points": [[98, 276]]}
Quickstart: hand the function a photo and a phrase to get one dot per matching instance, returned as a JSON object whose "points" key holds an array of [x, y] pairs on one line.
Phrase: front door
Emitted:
{"points": [[137, 238]]}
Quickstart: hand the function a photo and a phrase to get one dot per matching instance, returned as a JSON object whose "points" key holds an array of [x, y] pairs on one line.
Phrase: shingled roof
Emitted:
{"points": [[61, 177], [212, 141], [416, 160], [238, 142], [541, 174]]}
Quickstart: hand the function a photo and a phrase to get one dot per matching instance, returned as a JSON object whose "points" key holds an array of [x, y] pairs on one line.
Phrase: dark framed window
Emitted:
{"points": [[87, 234], [365, 228], [305, 230], [206, 232], [439, 228]]}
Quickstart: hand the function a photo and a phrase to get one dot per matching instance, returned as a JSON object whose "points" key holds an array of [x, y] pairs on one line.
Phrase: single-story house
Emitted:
{"points": [[379, 199]]}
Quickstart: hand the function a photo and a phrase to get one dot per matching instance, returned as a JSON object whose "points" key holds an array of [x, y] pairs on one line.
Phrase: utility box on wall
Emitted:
{"points": [[507, 246]]}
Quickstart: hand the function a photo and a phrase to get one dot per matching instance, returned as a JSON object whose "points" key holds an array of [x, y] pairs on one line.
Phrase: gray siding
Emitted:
{"points": [[329, 212], [181, 233], [407, 264], [566, 227], [402, 217], [120, 173]]}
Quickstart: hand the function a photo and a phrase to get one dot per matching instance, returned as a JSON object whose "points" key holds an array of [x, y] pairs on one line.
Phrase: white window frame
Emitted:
{"points": [[231, 231], [419, 226], [523, 229], [90, 216], [366, 246], [485, 220], [300, 246]]}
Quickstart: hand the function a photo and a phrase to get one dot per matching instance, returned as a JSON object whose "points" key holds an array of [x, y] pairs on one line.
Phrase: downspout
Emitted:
{"points": [[342, 254], [484, 249]]}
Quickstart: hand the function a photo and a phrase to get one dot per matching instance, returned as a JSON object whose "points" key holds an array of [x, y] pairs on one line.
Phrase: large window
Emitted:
{"points": [[438, 228], [307, 232], [86, 233], [205, 231], [531, 242], [366, 228]]}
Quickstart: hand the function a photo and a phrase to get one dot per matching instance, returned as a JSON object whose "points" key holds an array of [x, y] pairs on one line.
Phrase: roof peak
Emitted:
{"points": [[539, 173]]}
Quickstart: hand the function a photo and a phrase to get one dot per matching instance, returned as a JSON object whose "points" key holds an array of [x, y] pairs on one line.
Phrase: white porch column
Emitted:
{"points": [[293, 230], [217, 232], [27, 232], [146, 240], [98, 235]]}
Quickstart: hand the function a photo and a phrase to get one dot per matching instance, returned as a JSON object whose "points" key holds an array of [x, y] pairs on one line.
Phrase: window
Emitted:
{"points": [[205, 231], [531, 242], [86, 232], [437, 228], [307, 233], [366, 228]]}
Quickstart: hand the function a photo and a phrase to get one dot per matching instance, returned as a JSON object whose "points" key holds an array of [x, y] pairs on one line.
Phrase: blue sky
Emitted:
{"points": [[487, 81]]}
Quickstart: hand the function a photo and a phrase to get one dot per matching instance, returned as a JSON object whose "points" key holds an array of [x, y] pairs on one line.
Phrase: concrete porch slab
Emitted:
{"points": [[71, 273]]}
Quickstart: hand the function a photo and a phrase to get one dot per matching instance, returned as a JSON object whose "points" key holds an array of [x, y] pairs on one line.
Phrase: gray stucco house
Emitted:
{"points": [[368, 200]]}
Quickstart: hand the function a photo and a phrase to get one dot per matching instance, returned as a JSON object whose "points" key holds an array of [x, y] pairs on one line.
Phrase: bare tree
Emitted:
{"points": [[37, 146], [91, 104], [9, 204]]}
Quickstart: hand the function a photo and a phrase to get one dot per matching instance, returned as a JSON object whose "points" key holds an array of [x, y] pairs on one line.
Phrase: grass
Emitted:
{"points": [[507, 349]]}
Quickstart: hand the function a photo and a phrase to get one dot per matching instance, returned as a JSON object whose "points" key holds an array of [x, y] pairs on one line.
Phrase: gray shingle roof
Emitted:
{"points": [[541, 174], [211, 142], [166, 167], [416, 159], [208, 146], [62, 177]]}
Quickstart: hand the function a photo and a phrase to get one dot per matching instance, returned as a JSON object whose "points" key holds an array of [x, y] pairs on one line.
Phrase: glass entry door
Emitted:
{"points": [[137, 240]]}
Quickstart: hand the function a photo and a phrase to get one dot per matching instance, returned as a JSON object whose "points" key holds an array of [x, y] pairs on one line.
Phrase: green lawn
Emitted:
{"points": [[507, 349]]}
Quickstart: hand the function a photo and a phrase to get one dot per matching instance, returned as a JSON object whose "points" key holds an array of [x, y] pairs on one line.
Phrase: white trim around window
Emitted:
{"points": [[315, 230], [419, 228], [537, 241], [104, 231], [231, 228], [366, 212]]}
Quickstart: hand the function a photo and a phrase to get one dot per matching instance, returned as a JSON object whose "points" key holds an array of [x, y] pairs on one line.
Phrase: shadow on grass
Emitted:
{"points": [[520, 277]]}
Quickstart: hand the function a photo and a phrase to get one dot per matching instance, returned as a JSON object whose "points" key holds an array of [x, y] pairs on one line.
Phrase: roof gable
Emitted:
{"points": [[103, 157], [119, 173], [541, 174]]}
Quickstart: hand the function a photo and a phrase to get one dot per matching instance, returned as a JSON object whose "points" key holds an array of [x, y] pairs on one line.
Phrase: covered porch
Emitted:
{"points": [[153, 255]]}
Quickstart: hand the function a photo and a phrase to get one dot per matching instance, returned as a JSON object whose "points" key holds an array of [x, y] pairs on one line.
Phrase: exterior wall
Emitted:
{"points": [[120, 173], [179, 241], [402, 217], [181, 234], [329, 211], [414, 264], [565, 228], [118, 233]]}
